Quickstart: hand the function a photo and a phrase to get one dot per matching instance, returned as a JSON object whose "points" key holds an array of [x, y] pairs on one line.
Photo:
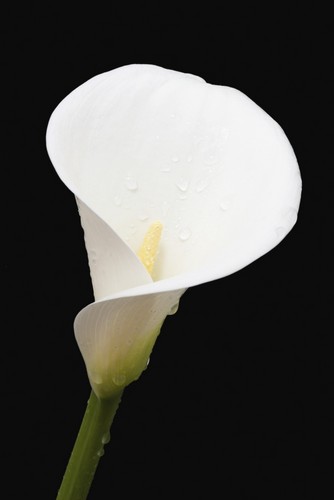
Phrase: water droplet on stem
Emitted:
{"points": [[105, 438]]}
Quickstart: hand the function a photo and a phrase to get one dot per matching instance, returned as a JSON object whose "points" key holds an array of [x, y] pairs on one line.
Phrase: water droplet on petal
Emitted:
{"points": [[92, 256], [119, 379], [174, 308], [183, 185], [225, 204], [143, 217], [95, 378], [117, 201], [132, 229], [175, 159], [211, 159], [224, 133], [165, 207], [100, 453], [201, 185], [131, 184], [280, 231], [165, 169], [291, 216], [148, 262], [184, 234]]}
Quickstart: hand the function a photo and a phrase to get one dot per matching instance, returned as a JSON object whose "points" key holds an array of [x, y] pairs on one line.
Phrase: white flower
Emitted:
{"points": [[141, 144]]}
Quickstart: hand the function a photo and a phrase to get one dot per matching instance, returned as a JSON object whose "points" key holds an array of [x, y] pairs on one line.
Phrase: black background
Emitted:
{"points": [[236, 402]]}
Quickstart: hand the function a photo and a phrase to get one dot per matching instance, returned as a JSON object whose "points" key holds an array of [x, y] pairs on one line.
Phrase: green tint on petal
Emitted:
{"points": [[116, 337]]}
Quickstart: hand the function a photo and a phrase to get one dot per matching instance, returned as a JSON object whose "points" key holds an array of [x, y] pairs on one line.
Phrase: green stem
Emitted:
{"points": [[88, 448]]}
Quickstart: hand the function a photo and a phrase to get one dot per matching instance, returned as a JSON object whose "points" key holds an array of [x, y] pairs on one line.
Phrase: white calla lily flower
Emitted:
{"points": [[141, 144]]}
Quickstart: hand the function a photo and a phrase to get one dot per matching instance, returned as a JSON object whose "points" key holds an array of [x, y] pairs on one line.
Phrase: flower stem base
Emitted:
{"points": [[89, 447]]}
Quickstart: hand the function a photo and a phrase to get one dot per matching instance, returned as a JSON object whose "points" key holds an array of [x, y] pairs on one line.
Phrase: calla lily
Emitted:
{"points": [[141, 144]]}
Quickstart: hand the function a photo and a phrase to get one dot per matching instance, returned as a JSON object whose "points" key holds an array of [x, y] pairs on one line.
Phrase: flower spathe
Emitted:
{"points": [[140, 144]]}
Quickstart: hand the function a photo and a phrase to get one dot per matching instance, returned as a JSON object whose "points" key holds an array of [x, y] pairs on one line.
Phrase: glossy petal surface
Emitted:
{"points": [[142, 143]]}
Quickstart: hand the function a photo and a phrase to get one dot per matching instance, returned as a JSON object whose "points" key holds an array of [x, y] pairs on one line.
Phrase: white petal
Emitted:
{"points": [[114, 267], [116, 337], [142, 143]]}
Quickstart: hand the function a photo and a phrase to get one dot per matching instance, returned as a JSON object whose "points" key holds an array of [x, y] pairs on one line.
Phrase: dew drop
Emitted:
{"points": [[174, 309], [175, 159], [201, 185], [131, 184], [165, 207], [291, 216], [189, 158], [148, 262], [92, 256], [183, 185], [95, 378], [280, 232], [211, 159], [225, 204], [224, 133], [132, 229], [100, 452], [184, 234], [165, 169], [143, 217], [119, 379], [148, 362], [105, 438]]}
